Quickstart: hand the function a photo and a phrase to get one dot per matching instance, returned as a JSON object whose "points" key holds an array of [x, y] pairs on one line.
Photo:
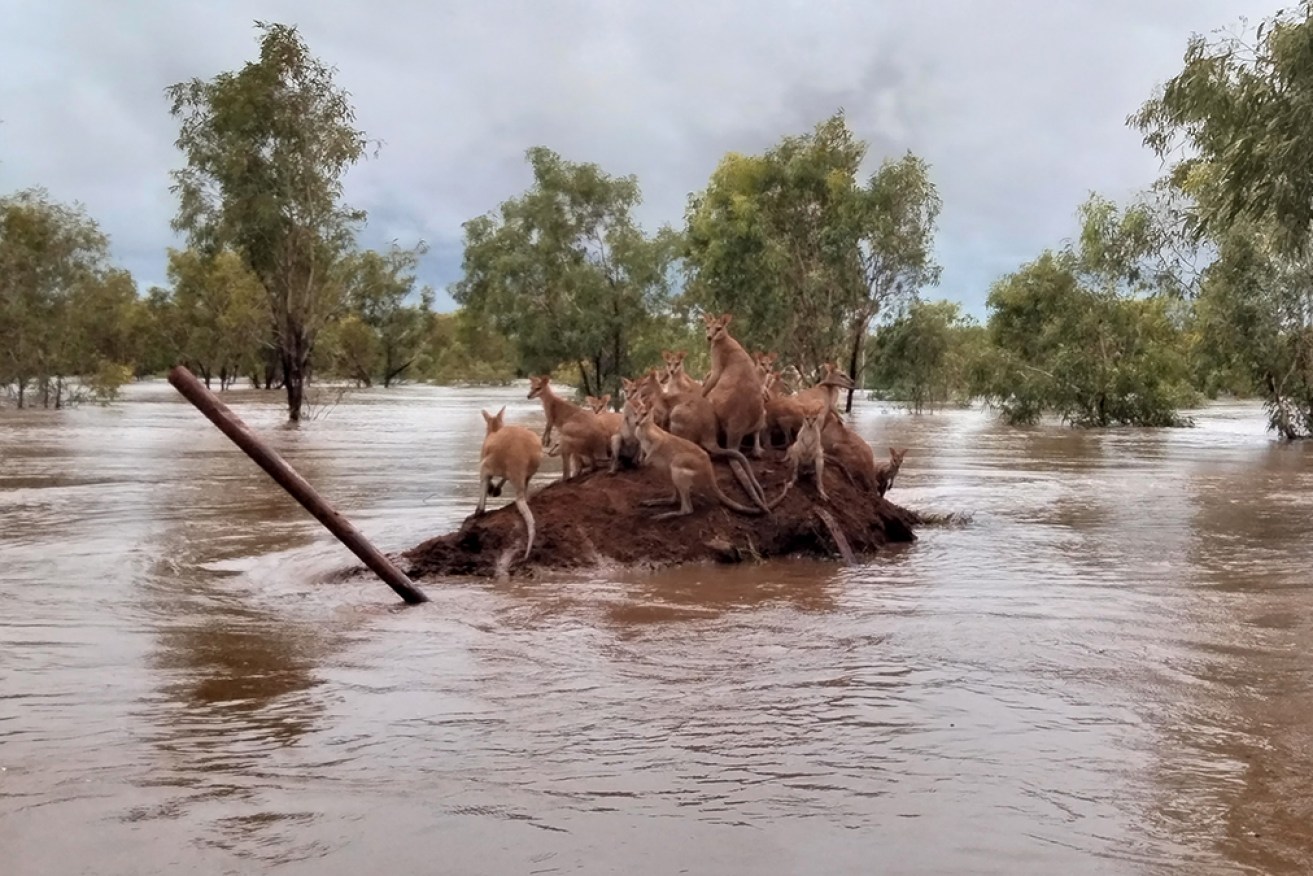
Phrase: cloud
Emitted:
{"points": [[1018, 106]]}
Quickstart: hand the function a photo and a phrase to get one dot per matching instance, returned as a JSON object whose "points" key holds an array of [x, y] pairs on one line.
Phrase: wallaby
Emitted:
{"points": [[511, 453], [885, 472], [583, 437], [827, 388], [624, 443], [808, 448], [692, 417], [784, 413], [765, 362], [609, 419], [850, 452], [734, 387], [677, 380], [686, 464]]}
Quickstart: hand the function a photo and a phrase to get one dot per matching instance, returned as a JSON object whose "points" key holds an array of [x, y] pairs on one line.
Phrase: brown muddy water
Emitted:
{"points": [[1109, 670]]}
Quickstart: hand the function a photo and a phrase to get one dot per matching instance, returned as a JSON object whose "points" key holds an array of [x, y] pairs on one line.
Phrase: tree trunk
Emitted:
{"points": [[59, 393], [295, 354], [583, 376], [854, 363], [22, 390]]}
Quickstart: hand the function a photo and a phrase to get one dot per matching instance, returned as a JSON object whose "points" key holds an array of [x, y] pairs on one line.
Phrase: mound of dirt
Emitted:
{"points": [[597, 518]]}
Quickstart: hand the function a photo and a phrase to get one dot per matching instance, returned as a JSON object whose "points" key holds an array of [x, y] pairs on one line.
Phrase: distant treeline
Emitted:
{"points": [[1202, 285]]}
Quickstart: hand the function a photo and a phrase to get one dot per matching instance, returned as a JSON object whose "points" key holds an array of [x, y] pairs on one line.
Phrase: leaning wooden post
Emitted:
{"points": [[277, 468]]}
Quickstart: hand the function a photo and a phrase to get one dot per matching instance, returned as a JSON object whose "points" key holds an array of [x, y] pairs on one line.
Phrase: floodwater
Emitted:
{"points": [[1108, 670]]}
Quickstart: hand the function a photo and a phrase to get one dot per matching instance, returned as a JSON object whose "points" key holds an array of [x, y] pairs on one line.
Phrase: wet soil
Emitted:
{"points": [[598, 518]]}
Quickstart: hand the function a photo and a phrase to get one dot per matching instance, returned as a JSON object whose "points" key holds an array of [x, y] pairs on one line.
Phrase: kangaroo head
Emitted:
{"points": [[835, 377], [717, 326], [896, 458], [493, 422], [538, 384]]}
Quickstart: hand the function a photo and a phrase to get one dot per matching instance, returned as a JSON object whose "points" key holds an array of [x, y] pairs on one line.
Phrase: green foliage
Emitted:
{"points": [[1238, 112], [566, 273], [461, 349], [803, 253], [216, 317], [381, 335], [1254, 316], [1092, 357], [267, 148], [1240, 107], [64, 311], [926, 356]]}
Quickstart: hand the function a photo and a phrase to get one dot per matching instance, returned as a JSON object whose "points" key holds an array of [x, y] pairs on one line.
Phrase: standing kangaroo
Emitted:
{"points": [[734, 387], [511, 453], [686, 464], [885, 472], [808, 448], [583, 437], [692, 417]]}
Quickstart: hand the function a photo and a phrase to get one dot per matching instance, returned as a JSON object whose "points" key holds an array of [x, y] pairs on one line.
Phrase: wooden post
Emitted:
{"points": [[840, 540], [277, 468]]}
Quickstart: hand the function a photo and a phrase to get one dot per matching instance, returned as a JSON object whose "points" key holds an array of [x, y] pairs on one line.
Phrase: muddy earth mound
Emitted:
{"points": [[597, 518]]}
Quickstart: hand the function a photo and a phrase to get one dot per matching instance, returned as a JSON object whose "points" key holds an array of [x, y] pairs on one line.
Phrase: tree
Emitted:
{"points": [[566, 273], [1089, 332], [1254, 316], [64, 311], [802, 252], [1236, 115], [266, 148], [924, 356], [462, 348], [894, 226], [383, 334], [220, 316]]}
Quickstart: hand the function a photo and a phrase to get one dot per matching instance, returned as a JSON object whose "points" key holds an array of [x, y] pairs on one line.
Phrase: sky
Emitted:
{"points": [[1019, 106]]}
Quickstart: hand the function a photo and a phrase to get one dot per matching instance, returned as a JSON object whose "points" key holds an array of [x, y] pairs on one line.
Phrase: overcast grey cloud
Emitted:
{"points": [[1019, 105]]}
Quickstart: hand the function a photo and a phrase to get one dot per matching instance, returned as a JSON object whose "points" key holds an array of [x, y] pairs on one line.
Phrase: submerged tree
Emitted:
{"points": [[64, 311], [1088, 333], [266, 148], [389, 331], [1237, 115], [566, 273], [925, 356], [219, 319]]}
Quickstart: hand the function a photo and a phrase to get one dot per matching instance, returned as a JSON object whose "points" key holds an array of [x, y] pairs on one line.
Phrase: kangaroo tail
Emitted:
{"points": [[731, 504], [738, 463], [523, 505]]}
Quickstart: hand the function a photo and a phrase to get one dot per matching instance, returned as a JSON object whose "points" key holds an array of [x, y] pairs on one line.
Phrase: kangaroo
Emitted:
{"points": [[677, 379], [624, 443], [784, 414], [734, 387], [765, 362], [583, 437], [850, 452], [513, 454], [808, 448], [827, 388], [609, 419], [686, 464], [692, 417], [885, 472]]}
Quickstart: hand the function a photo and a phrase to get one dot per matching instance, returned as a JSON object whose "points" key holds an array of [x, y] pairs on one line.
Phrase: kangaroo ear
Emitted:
{"points": [[725, 318], [893, 451], [487, 417], [606, 399]]}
